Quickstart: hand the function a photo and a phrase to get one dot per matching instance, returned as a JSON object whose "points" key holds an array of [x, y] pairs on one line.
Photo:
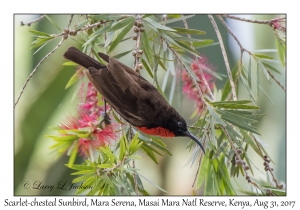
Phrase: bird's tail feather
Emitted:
{"points": [[82, 59]]}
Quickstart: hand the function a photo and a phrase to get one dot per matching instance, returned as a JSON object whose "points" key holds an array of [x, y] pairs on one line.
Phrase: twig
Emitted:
{"points": [[267, 22], [137, 64], [35, 20], [184, 66], [238, 157], [200, 160], [283, 88], [198, 63], [34, 70], [271, 172], [233, 90], [71, 18], [133, 166]]}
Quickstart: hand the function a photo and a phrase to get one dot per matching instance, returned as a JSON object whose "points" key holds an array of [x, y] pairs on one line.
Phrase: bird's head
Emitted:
{"points": [[179, 127]]}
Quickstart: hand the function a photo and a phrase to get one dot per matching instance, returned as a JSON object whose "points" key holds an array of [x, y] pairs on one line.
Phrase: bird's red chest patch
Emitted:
{"points": [[159, 131]]}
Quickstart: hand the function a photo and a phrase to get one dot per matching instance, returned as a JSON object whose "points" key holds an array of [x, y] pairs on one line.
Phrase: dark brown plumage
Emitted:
{"points": [[132, 96]]}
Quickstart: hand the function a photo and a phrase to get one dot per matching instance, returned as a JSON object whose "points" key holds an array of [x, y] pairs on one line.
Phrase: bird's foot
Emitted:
{"points": [[106, 119]]}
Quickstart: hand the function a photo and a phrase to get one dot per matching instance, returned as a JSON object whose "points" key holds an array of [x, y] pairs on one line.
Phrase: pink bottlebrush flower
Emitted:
{"points": [[190, 88], [89, 105], [99, 136]]}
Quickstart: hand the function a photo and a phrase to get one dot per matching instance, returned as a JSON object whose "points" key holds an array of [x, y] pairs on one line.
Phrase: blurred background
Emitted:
{"points": [[46, 102]]}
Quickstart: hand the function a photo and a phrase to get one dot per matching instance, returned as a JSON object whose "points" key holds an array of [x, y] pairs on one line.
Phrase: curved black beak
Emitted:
{"points": [[188, 134]]}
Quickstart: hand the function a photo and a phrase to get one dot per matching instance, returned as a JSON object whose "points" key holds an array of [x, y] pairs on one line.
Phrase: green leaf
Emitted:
{"points": [[241, 125], [236, 117], [187, 40], [152, 183], [84, 172], [154, 24], [105, 166], [227, 86], [263, 68], [263, 56], [69, 63], [53, 22], [203, 170], [216, 116], [107, 180], [121, 54], [134, 142], [73, 154], [204, 43], [147, 68], [249, 73], [147, 48], [149, 153], [189, 31], [105, 17], [121, 24], [251, 142], [209, 179], [79, 167], [73, 79], [176, 19], [96, 34], [39, 33], [163, 148], [40, 42], [111, 156], [122, 149], [101, 30], [234, 106], [187, 48], [63, 138], [281, 51], [81, 24], [120, 36], [82, 178], [85, 185], [257, 80], [271, 68]]}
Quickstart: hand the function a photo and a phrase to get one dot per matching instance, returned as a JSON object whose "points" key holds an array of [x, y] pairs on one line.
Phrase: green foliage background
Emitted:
{"points": [[46, 102]]}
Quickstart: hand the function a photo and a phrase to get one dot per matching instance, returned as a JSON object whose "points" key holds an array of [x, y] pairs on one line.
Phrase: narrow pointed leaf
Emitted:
{"points": [[157, 25], [53, 22], [176, 19], [121, 24], [147, 48], [120, 36], [281, 51], [81, 24], [189, 31]]}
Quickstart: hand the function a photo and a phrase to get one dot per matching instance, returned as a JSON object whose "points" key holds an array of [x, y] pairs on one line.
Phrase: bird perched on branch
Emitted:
{"points": [[132, 97]]}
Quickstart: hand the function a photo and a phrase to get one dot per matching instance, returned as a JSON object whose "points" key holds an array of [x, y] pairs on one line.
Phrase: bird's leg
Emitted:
{"points": [[106, 117]]}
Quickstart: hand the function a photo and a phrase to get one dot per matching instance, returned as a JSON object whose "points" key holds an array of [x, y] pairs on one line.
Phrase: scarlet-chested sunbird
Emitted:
{"points": [[132, 96]]}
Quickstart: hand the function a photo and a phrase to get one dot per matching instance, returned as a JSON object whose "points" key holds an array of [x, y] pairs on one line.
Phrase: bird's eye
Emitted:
{"points": [[180, 124]]}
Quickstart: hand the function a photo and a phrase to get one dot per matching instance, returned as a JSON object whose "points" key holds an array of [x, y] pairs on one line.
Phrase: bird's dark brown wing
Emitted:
{"points": [[126, 91], [122, 100]]}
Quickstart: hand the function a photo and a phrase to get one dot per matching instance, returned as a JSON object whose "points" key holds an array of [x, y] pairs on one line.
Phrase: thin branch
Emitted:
{"points": [[271, 172], [71, 18], [198, 63], [233, 90], [267, 22], [283, 88], [238, 157], [37, 66], [184, 66], [198, 169], [137, 65], [35, 20], [133, 166]]}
